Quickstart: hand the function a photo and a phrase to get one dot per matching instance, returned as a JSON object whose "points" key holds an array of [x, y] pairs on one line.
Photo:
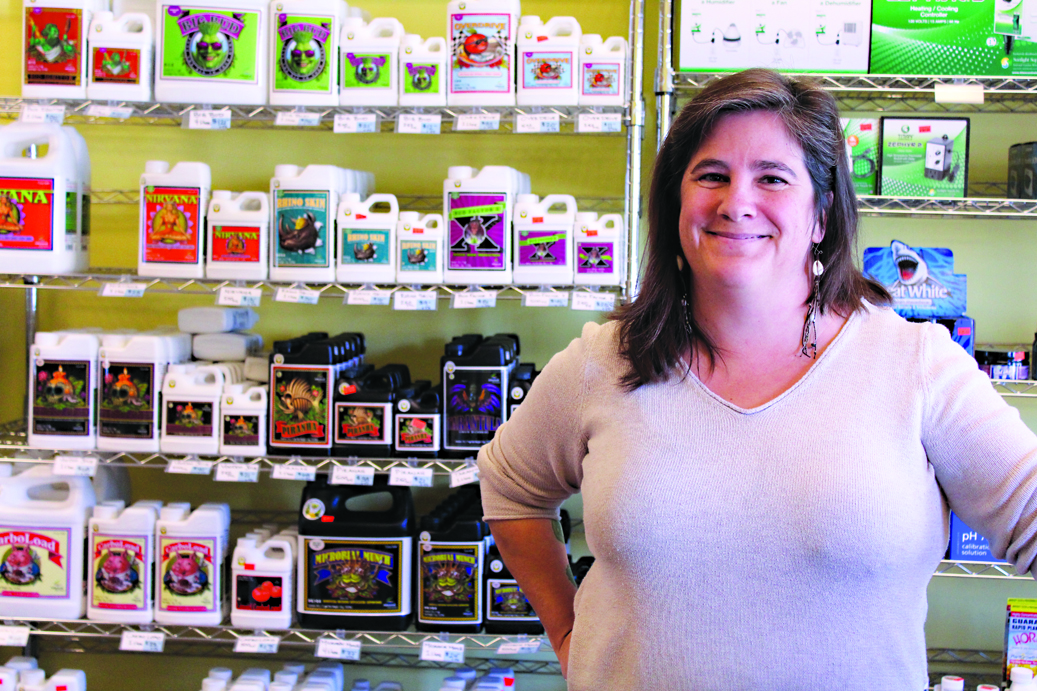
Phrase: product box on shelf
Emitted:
{"points": [[367, 238], [920, 279], [418, 421], [238, 233], [924, 157], [1022, 171], [370, 53], [544, 239], [62, 385], [364, 411], [303, 203], [420, 255], [189, 568], [862, 151], [477, 375], [121, 561]]}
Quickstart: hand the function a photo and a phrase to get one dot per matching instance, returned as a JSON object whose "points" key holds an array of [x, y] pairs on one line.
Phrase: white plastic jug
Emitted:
{"points": [[303, 203], [83, 191], [121, 56], [423, 71], [189, 564], [239, 235], [367, 238], [191, 409], [481, 69], [244, 420], [62, 385], [543, 240], [600, 249], [173, 205], [304, 62], [227, 346], [121, 576], [53, 61], [603, 69], [257, 367], [548, 61], [261, 585], [204, 320], [420, 254], [370, 53]]}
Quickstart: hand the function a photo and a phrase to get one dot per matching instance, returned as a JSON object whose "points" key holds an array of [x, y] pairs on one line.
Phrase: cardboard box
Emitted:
{"points": [[862, 149], [924, 157], [920, 279], [1022, 171]]}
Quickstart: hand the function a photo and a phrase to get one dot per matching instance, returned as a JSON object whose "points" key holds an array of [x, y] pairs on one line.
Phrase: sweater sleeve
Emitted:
{"points": [[534, 462], [984, 455]]}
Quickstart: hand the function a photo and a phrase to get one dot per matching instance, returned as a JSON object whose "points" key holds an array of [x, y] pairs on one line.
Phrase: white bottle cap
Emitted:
{"points": [[952, 684], [411, 217], [224, 673], [281, 686], [586, 217], [286, 170], [466, 673], [1021, 674], [31, 677], [527, 199], [361, 685], [454, 682], [286, 677], [987, 687], [156, 167], [460, 172], [296, 667], [222, 194], [108, 509], [21, 662]]}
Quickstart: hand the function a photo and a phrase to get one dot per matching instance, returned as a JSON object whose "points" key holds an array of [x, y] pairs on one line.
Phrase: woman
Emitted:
{"points": [[766, 452]]}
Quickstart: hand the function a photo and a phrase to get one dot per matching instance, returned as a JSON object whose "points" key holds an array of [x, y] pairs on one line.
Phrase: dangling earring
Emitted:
{"points": [[684, 295], [813, 307]]}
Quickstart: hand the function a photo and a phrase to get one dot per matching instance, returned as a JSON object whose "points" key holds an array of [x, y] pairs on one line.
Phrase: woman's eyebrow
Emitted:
{"points": [[756, 165]]}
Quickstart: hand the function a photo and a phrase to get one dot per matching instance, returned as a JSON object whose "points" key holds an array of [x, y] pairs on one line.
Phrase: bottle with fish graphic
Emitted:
{"points": [[370, 53], [548, 55], [243, 412], [238, 232], [120, 57], [189, 565], [304, 54], [367, 238], [477, 374], [600, 249], [420, 252], [62, 385], [261, 583], [121, 550], [303, 202], [543, 239], [419, 421], [481, 70], [422, 71], [364, 412], [54, 41], [173, 205], [191, 409], [603, 67]]}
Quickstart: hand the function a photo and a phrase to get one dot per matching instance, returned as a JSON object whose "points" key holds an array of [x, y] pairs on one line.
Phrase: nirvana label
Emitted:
{"points": [[547, 70], [601, 78], [189, 574], [474, 406], [366, 70], [418, 255], [61, 398], [241, 430], [356, 576], [126, 408], [204, 44], [53, 41], [301, 224], [188, 418], [301, 42], [451, 576], [421, 77], [27, 214], [594, 258], [477, 226], [480, 54], [172, 224], [116, 65], [505, 601], [119, 572], [363, 423], [258, 593], [300, 414], [365, 247], [34, 562], [235, 244], [542, 247], [417, 432]]}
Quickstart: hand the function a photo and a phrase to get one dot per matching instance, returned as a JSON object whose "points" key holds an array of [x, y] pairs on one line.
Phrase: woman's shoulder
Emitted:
{"points": [[596, 347], [881, 323]]}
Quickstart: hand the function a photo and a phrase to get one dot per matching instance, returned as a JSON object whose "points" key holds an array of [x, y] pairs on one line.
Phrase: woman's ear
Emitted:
{"points": [[819, 229]]}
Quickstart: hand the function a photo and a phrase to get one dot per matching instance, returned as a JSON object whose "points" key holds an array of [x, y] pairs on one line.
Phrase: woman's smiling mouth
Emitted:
{"points": [[736, 236]]}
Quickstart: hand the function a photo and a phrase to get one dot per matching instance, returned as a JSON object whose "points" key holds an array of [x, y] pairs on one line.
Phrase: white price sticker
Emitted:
{"points": [[208, 120], [123, 290], [296, 119], [365, 123], [335, 649], [300, 296], [295, 472], [599, 123], [368, 297], [82, 466], [594, 302], [352, 475], [182, 467], [537, 123], [411, 123], [477, 122], [239, 297], [236, 472], [266, 645], [437, 651], [116, 112], [14, 636], [420, 300], [543, 298], [36, 114], [411, 477], [519, 647], [474, 299], [464, 476], [143, 641]]}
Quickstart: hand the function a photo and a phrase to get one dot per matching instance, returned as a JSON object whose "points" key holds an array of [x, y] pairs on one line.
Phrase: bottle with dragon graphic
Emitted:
{"points": [[303, 202], [355, 552], [548, 56], [304, 54], [54, 41], [420, 252], [370, 53], [543, 239], [121, 562], [238, 233], [243, 419], [477, 374], [367, 238], [120, 57], [599, 249], [422, 71], [189, 566], [62, 386], [191, 409], [364, 412], [419, 421], [173, 206], [261, 583]]}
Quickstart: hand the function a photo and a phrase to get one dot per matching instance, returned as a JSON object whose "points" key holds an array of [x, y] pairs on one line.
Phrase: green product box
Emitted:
{"points": [[862, 149], [1022, 171], [924, 157]]}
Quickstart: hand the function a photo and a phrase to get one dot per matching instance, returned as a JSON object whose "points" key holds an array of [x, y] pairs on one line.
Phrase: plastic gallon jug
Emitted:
{"points": [[304, 201], [53, 56], [66, 680], [257, 367], [205, 320], [418, 421], [304, 52], [191, 409], [482, 52], [244, 411], [38, 210], [261, 584], [211, 51], [226, 346], [507, 608], [62, 382], [548, 61], [422, 71], [83, 191], [364, 412], [543, 240], [355, 551], [239, 235], [122, 568], [173, 204], [603, 66], [367, 238], [41, 567], [600, 249], [370, 54], [420, 255], [119, 65], [521, 382], [477, 205], [189, 568], [476, 376], [302, 377]]}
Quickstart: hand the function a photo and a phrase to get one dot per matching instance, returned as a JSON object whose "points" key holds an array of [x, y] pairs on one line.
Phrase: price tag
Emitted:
{"points": [[519, 647], [411, 477], [352, 475], [295, 472], [420, 300], [365, 123], [35, 114], [266, 645], [236, 472], [474, 299], [599, 123], [117, 112], [464, 476], [296, 119], [208, 120], [594, 302], [368, 297], [14, 636], [437, 651], [82, 466], [477, 122], [182, 467], [338, 650], [537, 123], [239, 297], [299, 296], [123, 290], [143, 641], [543, 298], [411, 123]]}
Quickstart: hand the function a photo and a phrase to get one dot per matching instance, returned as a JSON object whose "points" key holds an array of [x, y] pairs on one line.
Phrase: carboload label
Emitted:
{"points": [[34, 562], [119, 578], [190, 574]]}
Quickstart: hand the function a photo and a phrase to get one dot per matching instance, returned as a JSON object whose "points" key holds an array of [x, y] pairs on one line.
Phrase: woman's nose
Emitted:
{"points": [[738, 200]]}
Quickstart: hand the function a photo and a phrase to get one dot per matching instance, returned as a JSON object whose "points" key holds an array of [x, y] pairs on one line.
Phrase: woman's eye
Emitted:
{"points": [[773, 180], [712, 177]]}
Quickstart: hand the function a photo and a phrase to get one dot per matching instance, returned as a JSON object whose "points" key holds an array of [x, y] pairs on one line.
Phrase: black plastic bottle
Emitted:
{"points": [[476, 376], [364, 411], [521, 382], [418, 421], [301, 373], [507, 609]]}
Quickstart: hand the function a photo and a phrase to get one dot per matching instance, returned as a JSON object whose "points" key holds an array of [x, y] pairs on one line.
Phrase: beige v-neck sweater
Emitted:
{"points": [[783, 547]]}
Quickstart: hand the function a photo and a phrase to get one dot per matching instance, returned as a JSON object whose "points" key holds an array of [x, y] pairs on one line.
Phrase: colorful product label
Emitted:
{"points": [[542, 247], [547, 69], [480, 53], [53, 45], [355, 576], [921, 280], [126, 408], [602, 78], [172, 224], [235, 244], [477, 231], [256, 593], [474, 405], [34, 562], [366, 70], [862, 150], [417, 432], [1020, 635], [418, 255], [301, 223], [203, 44], [188, 418], [924, 157], [61, 397], [27, 214], [119, 572], [116, 65], [71, 216], [422, 77], [300, 412], [302, 45], [451, 580], [241, 430], [505, 601], [190, 574], [363, 423], [365, 247], [594, 258]]}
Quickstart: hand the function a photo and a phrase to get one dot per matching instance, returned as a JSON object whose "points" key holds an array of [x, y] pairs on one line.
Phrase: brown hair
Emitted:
{"points": [[652, 331]]}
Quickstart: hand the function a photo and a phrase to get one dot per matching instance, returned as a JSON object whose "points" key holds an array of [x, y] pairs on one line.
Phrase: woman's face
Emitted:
{"points": [[747, 208]]}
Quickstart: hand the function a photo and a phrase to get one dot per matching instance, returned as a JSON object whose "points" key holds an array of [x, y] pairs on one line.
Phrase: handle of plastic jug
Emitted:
{"points": [[257, 394], [390, 199], [435, 44], [616, 44], [615, 219], [278, 543], [18, 136], [432, 220], [15, 491], [385, 27], [567, 199], [569, 24], [208, 376], [128, 20], [261, 197]]}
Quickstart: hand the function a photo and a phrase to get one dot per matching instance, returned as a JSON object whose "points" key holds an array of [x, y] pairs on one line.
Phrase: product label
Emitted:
{"points": [[302, 44], [203, 44], [71, 213], [126, 408], [594, 258], [356, 576], [172, 224], [363, 423], [924, 157], [451, 579], [34, 562], [258, 593], [241, 430], [1020, 635], [862, 150], [602, 78], [190, 574], [235, 244], [365, 247], [547, 69], [480, 53], [417, 432], [53, 45], [366, 70], [921, 280], [542, 247], [27, 213], [61, 397], [301, 223], [418, 255], [119, 572], [505, 601], [474, 406], [422, 77], [116, 65], [188, 419], [300, 414], [478, 227]]}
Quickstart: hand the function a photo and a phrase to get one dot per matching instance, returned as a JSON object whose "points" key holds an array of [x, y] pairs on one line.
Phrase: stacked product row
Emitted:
{"points": [[330, 676], [24, 673], [312, 52]]}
